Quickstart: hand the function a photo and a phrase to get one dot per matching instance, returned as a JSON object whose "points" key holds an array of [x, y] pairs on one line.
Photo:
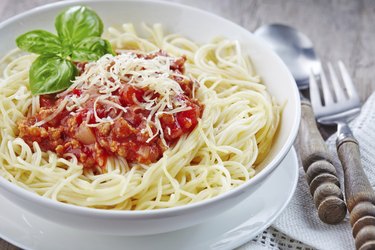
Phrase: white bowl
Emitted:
{"points": [[200, 26]]}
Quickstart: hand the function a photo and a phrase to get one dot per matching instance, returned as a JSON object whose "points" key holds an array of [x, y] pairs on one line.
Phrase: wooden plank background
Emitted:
{"points": [[340, 29]]}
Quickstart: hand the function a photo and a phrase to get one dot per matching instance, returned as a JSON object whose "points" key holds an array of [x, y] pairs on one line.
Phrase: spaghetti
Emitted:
{"points": [[233, 135]]}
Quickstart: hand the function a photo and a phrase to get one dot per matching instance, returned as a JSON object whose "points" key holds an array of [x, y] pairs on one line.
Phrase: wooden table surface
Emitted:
{"points": [[340, 29]]}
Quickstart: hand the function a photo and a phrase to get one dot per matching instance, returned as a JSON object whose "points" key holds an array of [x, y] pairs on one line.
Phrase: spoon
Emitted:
{"points": [[297, 52]]}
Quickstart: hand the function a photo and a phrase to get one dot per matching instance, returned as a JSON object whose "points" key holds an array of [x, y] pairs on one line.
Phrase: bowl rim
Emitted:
{"points": [[28, 195]]}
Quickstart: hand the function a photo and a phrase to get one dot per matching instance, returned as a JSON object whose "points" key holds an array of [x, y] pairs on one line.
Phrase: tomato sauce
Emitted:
{"points": [[75, 132]]}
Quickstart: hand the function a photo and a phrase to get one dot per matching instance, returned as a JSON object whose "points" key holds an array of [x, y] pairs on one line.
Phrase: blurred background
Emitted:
{"points": [[339, 29]]}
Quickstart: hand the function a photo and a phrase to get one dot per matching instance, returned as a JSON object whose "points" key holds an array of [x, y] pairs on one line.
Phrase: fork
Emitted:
{"points": [[335, 107]]}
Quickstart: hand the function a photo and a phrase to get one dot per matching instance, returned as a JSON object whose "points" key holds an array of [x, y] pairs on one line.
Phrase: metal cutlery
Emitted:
{"points": [[335, 106], [298, 53]]}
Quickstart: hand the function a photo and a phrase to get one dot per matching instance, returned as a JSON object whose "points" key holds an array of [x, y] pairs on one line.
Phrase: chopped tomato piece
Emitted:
{"points": [[46, 101], [77, 92], [130, 95]]}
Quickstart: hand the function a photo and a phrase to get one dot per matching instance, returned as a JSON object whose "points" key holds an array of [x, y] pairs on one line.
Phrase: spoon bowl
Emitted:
{"points": [[294, 48]]}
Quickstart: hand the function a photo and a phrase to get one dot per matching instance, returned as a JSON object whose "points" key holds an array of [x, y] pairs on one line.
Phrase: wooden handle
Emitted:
{"points": [[320, 173], [360, 196]]}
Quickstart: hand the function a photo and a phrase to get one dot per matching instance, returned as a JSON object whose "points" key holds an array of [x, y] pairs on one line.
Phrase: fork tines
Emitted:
{"points": [[332, 95]]}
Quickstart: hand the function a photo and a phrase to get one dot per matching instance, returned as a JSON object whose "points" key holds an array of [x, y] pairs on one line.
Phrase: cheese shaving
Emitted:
{"points": [[107, 75]]}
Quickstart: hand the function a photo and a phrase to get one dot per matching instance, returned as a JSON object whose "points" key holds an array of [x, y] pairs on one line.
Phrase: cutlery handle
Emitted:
{"points": [[320, 173], [360, 196]]}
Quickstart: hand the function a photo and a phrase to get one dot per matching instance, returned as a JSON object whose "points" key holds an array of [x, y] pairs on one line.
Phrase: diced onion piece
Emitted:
{"points": [[85, 135]]}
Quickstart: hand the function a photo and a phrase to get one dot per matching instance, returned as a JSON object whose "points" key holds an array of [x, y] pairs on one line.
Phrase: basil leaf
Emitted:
{"points": [[77, 23], [50, 74], [91, 49], [39, 42]]}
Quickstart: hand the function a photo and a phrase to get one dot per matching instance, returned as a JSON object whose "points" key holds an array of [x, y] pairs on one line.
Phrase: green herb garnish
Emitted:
{"points": [[78, 39]]}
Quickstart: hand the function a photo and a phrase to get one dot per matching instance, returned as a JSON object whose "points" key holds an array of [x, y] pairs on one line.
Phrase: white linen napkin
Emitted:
{"points": [[300, 222]]}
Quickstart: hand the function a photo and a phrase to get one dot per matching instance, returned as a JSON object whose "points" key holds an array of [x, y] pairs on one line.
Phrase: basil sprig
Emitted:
{"points": [[78, 39]]}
